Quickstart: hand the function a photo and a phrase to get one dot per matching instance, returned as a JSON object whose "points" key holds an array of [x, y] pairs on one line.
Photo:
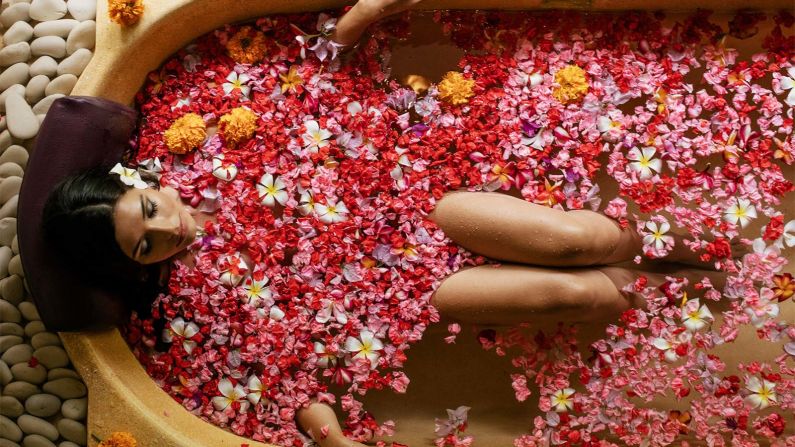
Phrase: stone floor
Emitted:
{"points": [[46, 45]]}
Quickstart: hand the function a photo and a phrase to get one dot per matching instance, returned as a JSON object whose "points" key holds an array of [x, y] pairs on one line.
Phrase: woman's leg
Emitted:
{"points": [[509, 294], [503, 227]]}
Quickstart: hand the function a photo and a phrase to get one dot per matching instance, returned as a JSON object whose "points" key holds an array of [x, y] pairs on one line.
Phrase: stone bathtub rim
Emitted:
{"points": [[117, 382]]}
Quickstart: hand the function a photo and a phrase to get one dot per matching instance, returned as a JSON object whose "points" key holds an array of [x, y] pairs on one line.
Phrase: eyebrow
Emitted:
{"points": [[143, 214]]}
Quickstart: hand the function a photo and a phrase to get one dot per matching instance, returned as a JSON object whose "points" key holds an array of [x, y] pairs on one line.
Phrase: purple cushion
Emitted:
{"points": [[79, 132]]}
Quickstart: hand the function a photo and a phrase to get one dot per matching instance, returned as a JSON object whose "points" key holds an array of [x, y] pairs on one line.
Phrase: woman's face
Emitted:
{"points": [[151, 225]]}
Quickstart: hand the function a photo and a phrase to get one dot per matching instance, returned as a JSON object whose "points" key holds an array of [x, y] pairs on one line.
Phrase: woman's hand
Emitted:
{"points": [[351, 26]]}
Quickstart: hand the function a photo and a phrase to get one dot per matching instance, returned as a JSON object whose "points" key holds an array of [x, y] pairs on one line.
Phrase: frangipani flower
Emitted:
{"points": [[644, 163], [237, 82], [272, 190], [232, 268], [695, 316], [315, 137], [561, 400], [366, 346], [128, 176], [325, 358], [657, 238], [222, 170], [331, 310], [763, 393], [291, 81], [787, 83], [229, 394], [762, 309], [179, 327], [742, 211], [257, 290], [332, 213], [255, 389], [306, 204]]}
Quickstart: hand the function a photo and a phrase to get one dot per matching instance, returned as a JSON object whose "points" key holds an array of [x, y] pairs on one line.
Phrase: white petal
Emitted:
{"points": [[664, 227], [220, 403], [225, 387], [352, 344], [649, 152]]}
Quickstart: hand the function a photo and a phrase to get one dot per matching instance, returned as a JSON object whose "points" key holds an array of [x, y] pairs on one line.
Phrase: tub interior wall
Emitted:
{"points": [[442, 375]]}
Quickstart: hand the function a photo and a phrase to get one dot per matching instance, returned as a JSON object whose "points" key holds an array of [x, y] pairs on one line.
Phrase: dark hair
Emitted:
{"points": [[77, 221]]}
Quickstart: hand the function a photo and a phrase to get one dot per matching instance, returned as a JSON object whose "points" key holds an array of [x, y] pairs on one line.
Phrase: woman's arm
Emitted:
{"points": [[351, 25], [315, 417]]}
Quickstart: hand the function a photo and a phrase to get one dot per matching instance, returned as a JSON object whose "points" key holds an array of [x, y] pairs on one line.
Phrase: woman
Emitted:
{"points": [[107, 225]]}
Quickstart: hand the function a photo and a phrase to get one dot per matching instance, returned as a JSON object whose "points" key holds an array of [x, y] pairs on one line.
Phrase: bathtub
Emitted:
{"points": [[122, 397]]}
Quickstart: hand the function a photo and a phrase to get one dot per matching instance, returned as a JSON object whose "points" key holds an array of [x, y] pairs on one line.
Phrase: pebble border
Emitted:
{"points": [[46, 45]]}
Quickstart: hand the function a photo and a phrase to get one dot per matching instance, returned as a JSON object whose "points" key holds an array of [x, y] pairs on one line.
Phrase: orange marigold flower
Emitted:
{"points": [[238, 125], [125, 12], [119, 439], [455, 88], [573, 84], [247, 46], [185, 134], [784, 287]]}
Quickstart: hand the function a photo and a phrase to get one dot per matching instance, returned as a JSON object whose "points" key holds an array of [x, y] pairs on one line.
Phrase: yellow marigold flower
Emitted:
{"points": [[125, 12], [456, 89], [119, 439], [573, 84], [238, 125], [247, 46], [185, 134]]}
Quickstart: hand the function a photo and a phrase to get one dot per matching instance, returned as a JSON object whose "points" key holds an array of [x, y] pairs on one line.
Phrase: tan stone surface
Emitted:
{"points": [[124, 398]]}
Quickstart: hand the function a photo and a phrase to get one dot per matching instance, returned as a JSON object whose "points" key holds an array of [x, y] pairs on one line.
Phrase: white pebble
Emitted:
{"points": [[12, 288], [11, 328], [42, 405], [17, 354], [36, 441], [9, 314], [44, 10], [9, 209], [8, 226], [66, 388], [60, 28], [5, 374], [71, 430], [43, 339], [7, 341], [29, 311], [11, 407], [15, 13], [62, 84], [30, 374], [74, 64], [52, 356], [15, 246], [5, 256], [22, 122], [38, 426], [9, 429], [44, 105], [52, 46], [44, 65], [61, 373], [82, 9], [9, 187], [34, 91], [19, 32], [82, 36], [15, 264], [76, 409], [10, 169], [33, 328], [18, 73], [20, 390], [14, 154], [5, 136], [14, 53], [16, 88]]}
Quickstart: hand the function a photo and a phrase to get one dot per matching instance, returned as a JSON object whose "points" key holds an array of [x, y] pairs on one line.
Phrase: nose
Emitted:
{"points": [[167, 227]]}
